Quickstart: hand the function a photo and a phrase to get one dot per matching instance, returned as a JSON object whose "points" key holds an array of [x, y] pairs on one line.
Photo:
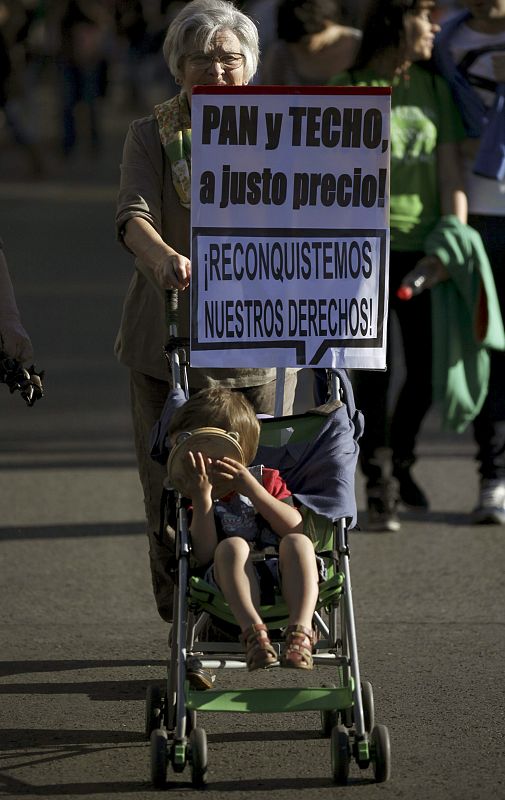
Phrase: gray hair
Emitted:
{"points": [[201, 20]]}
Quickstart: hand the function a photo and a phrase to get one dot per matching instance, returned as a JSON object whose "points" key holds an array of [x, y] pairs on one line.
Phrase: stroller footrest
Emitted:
{"points": [[275, 700]]}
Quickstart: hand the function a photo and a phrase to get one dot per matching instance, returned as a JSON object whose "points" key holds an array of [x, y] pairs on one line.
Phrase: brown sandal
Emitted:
{"points": [[258, 649], [297, 652]]}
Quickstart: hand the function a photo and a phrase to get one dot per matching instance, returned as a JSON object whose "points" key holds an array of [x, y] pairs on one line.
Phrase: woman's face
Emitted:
{"points": [[419, 33], [221, 65]]}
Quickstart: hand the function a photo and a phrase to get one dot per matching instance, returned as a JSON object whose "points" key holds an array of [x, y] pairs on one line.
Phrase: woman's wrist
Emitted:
{"points": [[143, 240], [156, 254]]}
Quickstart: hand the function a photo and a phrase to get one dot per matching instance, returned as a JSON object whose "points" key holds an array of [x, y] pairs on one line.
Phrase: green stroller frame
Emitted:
{"points": [[346, 708]]}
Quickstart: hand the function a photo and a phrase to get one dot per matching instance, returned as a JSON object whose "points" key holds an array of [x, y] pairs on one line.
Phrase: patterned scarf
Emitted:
{"points": [[174, 123]]}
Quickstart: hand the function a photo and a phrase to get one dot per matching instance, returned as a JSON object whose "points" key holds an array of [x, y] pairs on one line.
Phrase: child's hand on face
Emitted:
{"points": [[197, 472], [233, 474]]}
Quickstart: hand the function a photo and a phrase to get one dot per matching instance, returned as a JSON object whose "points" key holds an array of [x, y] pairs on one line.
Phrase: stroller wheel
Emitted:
{"points": [[328, 721], [198, 757], [368, 705], [340, 755], [381, 753], [154, 707], [190, 721], [159, 758], [329, 718], [347, 715]]}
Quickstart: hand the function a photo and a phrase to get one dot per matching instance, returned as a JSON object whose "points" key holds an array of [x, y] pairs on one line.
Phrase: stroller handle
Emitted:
{"points": [[172, 309], [174, 353]]}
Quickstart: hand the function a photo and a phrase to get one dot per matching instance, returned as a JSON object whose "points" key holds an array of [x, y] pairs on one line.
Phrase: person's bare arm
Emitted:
{"points": [[453, 200], [450, 181], [282, 517], [14, 339], [170, 269], [203, 526]]}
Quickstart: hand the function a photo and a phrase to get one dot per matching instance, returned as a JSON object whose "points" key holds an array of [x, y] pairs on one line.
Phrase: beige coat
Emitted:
{"points": [[146, 190]]}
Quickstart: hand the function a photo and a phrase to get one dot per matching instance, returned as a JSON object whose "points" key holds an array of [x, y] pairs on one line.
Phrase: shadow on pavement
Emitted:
{"points": [[102, 691], [455, 518], [20, 738], [82, 789], [22, 667], [80, 531], [262, 736], [271, 785]]}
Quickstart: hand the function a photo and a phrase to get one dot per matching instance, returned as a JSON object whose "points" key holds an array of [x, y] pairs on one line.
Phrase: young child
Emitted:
{"points": [[254, 511]]}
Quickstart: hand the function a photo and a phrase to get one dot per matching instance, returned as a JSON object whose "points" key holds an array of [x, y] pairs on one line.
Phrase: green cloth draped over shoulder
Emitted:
{"points": [[466, 321], [174, 123]]}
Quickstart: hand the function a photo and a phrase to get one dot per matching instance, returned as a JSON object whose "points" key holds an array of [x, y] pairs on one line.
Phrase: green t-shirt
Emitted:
{"points": [[423, 115]]}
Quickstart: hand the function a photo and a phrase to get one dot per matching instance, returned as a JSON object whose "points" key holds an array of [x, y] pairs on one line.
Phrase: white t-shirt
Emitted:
{"points": [[485, 196]]}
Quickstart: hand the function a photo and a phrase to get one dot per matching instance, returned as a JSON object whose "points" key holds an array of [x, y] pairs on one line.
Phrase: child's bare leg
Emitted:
{"points": [[236, 577], [300, 589], [299, 578]]}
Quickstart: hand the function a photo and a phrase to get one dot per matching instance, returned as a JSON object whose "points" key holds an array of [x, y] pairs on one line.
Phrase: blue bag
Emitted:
{"points": [[490, 159]]}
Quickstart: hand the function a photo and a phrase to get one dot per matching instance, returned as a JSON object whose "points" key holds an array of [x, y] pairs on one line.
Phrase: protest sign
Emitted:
{"points": [[290, 239]]}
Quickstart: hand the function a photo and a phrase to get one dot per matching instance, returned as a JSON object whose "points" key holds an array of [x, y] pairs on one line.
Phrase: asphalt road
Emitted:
{"points": [[80, 636]]}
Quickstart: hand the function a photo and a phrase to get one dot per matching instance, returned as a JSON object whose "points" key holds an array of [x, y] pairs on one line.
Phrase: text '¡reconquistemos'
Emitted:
{"points": [[287, 260]]}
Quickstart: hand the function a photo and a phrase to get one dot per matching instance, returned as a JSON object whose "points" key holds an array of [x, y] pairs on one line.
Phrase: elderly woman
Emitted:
{"points": [[209, 42]]}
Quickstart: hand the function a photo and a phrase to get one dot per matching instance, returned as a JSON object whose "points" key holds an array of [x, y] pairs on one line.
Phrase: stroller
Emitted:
{"points": [[316, 453]]}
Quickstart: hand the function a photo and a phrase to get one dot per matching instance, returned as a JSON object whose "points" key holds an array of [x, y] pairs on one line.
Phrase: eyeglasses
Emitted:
{"points": [[202, 61]]}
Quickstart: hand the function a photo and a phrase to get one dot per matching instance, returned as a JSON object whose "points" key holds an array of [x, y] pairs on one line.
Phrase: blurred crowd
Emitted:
{"points": [[60, 58], [63, 57]]}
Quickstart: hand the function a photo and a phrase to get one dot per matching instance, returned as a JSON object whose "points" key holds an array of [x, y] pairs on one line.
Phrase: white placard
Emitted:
{"points": [[290, 237]]}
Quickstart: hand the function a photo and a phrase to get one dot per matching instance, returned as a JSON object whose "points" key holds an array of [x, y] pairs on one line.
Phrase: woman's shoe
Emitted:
{"points": [[382, 502], [491, 506], [410, 493], [259, 651], [198, 677], [297, 651]]}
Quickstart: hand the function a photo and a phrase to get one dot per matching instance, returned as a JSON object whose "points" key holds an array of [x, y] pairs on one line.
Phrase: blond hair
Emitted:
{"points": [[227, 409]]}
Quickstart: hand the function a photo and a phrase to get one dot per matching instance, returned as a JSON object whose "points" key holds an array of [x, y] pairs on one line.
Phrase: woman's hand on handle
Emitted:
{"points": [[173, 271]]}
